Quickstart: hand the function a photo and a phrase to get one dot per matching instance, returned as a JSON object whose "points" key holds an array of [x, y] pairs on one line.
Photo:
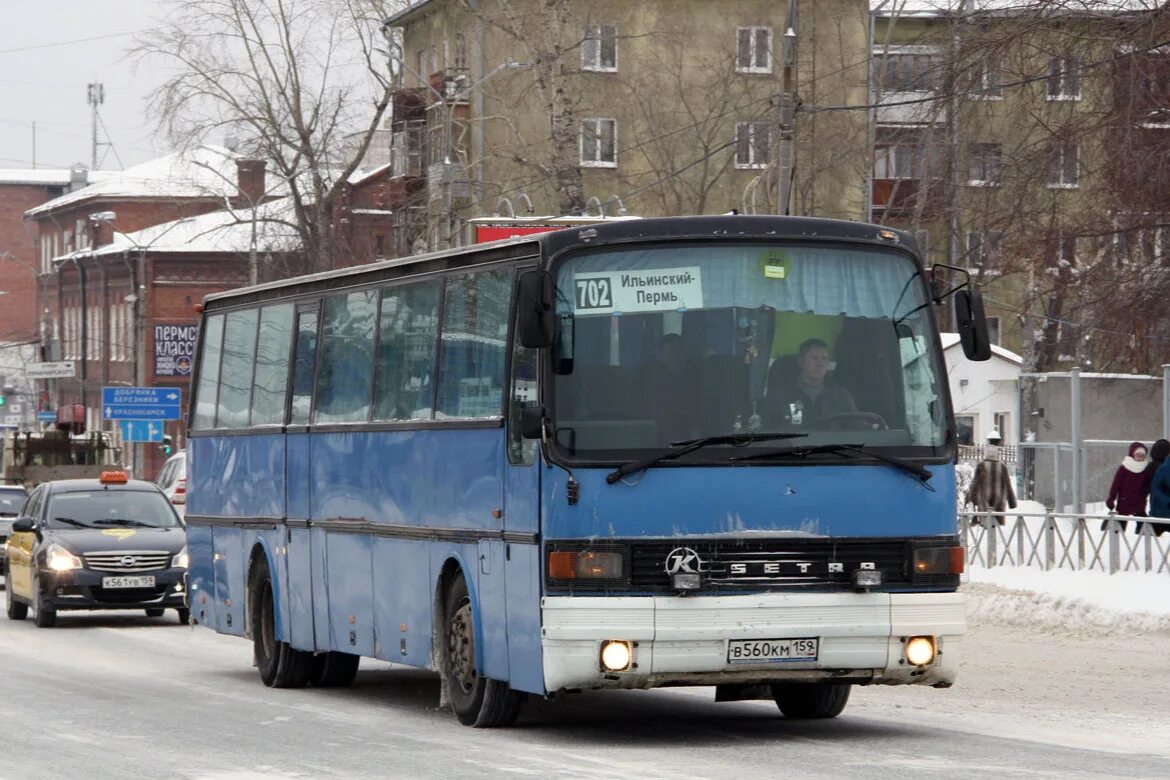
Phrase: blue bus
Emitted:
{"points": [[662, 452]]}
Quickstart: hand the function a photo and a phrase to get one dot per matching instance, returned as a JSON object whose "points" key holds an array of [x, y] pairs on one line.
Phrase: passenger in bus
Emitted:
{"points": [[810, 398], [670, 390]]}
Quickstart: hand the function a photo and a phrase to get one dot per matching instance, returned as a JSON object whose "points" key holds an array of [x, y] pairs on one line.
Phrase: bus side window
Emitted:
{"points": [[521, 394], [474, 337], [239, 359], [208, 387], [304, 364]]}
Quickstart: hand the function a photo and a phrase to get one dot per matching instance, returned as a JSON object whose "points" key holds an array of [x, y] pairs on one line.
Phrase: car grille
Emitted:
{"points": [[128, 561]]}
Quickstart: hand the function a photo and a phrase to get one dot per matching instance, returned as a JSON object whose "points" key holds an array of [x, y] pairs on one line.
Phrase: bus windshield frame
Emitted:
{"points": [[780, 261]]}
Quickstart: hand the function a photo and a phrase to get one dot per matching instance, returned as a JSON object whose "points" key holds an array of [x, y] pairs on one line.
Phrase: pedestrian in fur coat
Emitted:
{"points": [[1131, 485], [991, 488]]}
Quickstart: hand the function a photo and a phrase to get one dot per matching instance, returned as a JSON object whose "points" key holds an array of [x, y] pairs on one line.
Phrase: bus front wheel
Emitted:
{"points": [[807, 701], [280, 665], [476, 700]]}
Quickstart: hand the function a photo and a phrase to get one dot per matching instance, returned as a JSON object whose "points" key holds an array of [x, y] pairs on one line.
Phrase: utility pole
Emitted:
{"points": [[786, 158], [95, 96]]}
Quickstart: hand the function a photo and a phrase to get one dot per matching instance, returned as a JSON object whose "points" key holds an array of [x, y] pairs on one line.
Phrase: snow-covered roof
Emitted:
{"points": [[46, 177], [928, 8], [951, 339], [219, 231], [360, 175], [206, 171]]}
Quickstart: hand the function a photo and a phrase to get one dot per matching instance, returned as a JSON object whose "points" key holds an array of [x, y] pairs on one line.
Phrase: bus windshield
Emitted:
{"points": [[665, 344]]}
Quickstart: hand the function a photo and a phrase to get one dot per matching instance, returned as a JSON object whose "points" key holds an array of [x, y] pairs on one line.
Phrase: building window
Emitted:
{"points": [[900, 161], [753, 50], [984, 165], [599, 143], [460, 51], [907, 72], [1063, 166], [753, 144], [965, 429], [984, 248], [986, 81], [599, 48], [421, 67], [1064, 78], [1003, 423], [995, 336]]}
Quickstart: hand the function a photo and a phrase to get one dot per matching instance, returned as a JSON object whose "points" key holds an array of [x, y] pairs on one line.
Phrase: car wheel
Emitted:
{"points": [[155, 611], [333, 670], [17, 610], [808, 701], [280, 665], [45, 617], [184, 615], [476, 700]]}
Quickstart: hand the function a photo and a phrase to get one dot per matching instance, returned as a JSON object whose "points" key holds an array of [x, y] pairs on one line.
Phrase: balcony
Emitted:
{"points": [[904, 195]]}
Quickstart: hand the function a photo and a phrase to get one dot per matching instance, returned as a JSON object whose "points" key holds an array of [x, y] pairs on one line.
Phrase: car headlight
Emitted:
{"points": [[181, 560], [58, 558]]}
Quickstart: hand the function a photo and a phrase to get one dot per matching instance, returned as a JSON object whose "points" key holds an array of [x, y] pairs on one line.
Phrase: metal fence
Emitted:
{"points": [[1058, 540]]}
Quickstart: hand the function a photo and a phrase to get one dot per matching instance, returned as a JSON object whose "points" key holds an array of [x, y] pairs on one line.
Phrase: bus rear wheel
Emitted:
{"points": [[333, 669], [476, 700], [280, 665], [808, 701]]}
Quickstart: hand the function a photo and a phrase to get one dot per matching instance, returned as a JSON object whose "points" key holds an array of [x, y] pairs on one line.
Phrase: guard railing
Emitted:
{"points": [[1060, 540]]}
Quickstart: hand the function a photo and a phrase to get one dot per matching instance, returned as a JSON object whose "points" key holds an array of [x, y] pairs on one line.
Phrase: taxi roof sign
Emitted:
{"points": [[114, 478]]}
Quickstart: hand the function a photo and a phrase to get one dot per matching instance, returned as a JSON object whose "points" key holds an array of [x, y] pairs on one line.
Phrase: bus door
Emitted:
{"points": [[521, 530], [304, 570]]}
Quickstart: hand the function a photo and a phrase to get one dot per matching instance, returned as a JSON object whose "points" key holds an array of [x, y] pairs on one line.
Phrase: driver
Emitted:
{"points": [[807, 399]]}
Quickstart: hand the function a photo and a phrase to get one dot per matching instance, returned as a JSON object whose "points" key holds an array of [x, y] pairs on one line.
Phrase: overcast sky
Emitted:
{"points": [[49, 51]]}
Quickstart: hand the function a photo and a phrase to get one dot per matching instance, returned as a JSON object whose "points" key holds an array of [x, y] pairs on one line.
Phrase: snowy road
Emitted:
{"points": [[121, 696]]}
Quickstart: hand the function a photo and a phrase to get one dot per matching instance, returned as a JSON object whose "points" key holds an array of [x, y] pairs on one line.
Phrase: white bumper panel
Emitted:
{"points": [[683, 639]]}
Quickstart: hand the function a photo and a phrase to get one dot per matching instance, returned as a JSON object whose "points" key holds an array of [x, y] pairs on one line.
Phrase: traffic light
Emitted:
{"points": [[167, 446]]}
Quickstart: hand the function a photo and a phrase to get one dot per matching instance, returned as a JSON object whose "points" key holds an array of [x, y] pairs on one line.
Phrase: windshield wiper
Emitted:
{"points": [[122, 521], [680, 448], [803, 452], [71, 521]]}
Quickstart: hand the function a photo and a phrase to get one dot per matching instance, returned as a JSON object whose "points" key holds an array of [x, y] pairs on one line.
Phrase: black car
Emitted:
{"points": [[109, 543], [12, 498]]}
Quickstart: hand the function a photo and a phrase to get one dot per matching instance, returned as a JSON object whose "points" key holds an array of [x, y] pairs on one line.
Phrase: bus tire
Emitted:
{"points": [[280, 665], [333, 669], [808, 701], [17, 610], [475, 700]]}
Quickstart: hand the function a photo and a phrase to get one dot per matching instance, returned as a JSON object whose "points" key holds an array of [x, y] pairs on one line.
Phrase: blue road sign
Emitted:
{"points": [[141, 430], [142, 403], [46, 417]]}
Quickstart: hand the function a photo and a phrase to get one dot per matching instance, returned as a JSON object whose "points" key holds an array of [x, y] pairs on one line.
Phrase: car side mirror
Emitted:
{"points": [[972, 322], [534, 302], [531, 419], [24, 525]]}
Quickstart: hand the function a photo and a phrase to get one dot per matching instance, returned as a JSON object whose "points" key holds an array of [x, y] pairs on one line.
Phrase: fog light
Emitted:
{"points": [[920, 650], [616, 655]]}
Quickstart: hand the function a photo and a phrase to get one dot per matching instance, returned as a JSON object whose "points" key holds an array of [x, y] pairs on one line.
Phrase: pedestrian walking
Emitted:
{"points": [[1160, 484], [1131, 486], [991, 488]]}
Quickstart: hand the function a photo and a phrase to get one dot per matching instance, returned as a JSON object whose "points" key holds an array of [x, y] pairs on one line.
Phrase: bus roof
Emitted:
{"points": [[723, 227]]}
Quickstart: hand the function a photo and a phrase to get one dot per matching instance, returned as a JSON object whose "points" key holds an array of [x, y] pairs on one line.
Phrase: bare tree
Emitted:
{"points": [[294, 81]]}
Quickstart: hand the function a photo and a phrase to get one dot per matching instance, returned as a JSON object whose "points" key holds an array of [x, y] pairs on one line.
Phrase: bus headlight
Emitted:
{"points": [[58, 558], [920, 650], [616, 655]]}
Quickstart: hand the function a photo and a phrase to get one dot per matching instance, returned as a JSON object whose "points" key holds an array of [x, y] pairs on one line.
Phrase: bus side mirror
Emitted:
{"points": [[972, 324], [534, 324]]}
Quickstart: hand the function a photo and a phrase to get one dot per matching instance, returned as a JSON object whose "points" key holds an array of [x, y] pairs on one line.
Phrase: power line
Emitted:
{"points": [[77, 40]]}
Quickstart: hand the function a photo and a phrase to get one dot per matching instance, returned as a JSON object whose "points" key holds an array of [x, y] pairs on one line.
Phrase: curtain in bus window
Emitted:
{"points": [[408, 329], [208, 373], [346, 375], [475, 331], [271, 385], [235, 380]]}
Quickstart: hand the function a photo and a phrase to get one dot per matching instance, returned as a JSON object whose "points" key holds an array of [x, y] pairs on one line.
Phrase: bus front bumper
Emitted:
{"points": [[684, 640]]}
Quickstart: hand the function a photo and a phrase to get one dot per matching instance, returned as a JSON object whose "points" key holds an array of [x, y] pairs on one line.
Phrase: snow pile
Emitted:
{"points": [[1078, 602]]}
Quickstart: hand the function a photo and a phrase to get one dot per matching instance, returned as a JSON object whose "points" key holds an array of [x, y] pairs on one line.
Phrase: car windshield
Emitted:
{"points": [[11, 502], [667, 344], [111, 509]]}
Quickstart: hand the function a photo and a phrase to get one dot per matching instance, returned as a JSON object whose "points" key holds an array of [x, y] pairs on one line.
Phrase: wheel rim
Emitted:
{"points": [[461, 647]]}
